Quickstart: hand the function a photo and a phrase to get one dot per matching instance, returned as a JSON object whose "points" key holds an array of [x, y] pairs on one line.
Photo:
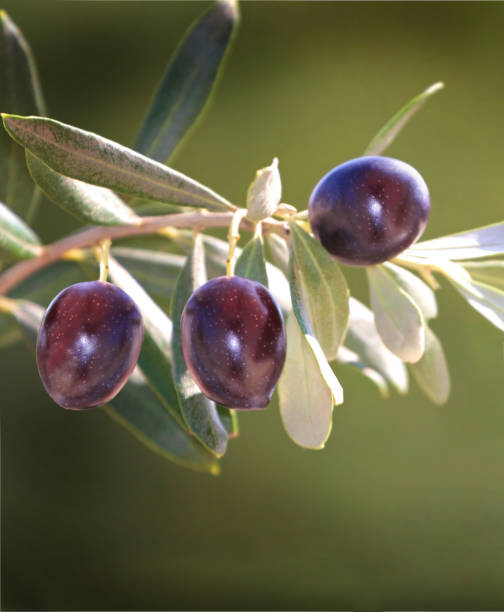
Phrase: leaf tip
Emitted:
{"points": [[432, 89]]}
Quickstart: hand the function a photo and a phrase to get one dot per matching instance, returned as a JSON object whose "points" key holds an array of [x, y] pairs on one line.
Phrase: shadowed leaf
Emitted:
{"points": [[188, 83], [199, 412], [20, 93], [16, 238], [251, 262]]}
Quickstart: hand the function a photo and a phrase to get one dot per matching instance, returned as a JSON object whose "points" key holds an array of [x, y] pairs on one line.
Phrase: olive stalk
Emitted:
{"points": [[148, 225]]}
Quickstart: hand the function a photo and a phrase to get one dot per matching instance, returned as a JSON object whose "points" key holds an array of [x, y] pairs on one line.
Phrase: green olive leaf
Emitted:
{"points": [[140, 411], [363, 340], [155, 358], [155, 270], [200, 413], [391, 129], [20, 93], [320, 291], [189, 82], [93, 159], [431, 371], [304, 322], [398, 319], [16, 238], [229, 418], [480, 242], [88, 203], [490, 272], [420, 292], [487, 300], [305, 399], [251, 264], [352, 359], [279, 252]]}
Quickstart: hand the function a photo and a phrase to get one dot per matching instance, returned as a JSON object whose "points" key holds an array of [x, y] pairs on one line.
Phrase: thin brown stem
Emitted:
{"points": [[147, 225]]}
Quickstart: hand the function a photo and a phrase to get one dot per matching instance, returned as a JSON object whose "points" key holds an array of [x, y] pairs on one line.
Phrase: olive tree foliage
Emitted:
{"points": [[113, 191]]}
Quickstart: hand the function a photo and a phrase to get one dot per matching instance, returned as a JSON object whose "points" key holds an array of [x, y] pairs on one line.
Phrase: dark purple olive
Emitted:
{"points": [[369, 209], [88, 344], [233, 339]]}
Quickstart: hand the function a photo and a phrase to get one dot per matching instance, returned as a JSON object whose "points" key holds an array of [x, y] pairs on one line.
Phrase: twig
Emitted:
{"points": [[147, 225]]}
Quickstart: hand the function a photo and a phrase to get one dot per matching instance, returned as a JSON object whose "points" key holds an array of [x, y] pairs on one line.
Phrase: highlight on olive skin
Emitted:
{"points": [[234, 341], [88, 344], [369, 209]]}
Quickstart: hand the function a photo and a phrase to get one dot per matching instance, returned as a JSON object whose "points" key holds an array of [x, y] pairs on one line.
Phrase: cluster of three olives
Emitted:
{"points": [[363, 212]]}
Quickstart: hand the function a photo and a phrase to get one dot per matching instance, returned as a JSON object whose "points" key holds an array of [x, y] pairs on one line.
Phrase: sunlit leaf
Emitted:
{"points": [[487, 300], [20, 93], [420, 292], [480, 242], [155, 357], [306, 402], [139, 410], [392, 128], [489, 272], [302, 317], [398, 319], [431, 371], [321, 289], [363, 339], [349, 358], [88, 203], [16, 238], [251, 263], [199, 412], [91, 158], [188, 82]]}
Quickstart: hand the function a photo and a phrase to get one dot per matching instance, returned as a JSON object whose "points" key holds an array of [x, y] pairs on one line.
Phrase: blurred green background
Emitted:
{"points": [[404, 509]]}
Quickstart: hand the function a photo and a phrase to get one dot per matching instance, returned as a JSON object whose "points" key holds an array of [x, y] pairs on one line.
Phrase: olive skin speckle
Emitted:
{"points": [[234, 341], [369, 209], [88, 344]]}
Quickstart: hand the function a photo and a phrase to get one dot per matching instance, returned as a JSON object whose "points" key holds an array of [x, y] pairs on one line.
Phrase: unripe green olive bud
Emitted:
{"points": [[264, 193]]}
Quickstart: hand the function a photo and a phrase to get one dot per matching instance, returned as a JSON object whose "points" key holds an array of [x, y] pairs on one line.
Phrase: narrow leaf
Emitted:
{"points": [[431, 371], [16, 238], [305, 400], [320, 290], [139, 410], [487, 272], [251, 263], [349, 358], [229, 418], [398, 319], [199, 412], [363, 339], [136, 407], [189, 82], [392, 128], [91, 158], [303, 320], [487, 300], [20, 93], [420, 292], [88, 203], [480, 242], [279, 252], [156, 271], [155, 356]]}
